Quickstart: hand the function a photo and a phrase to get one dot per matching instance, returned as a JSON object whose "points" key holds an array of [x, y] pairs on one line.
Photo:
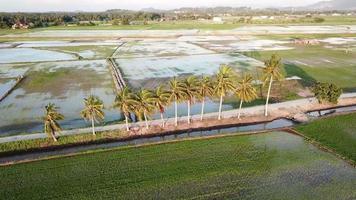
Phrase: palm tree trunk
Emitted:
{"points": [[202, 109], [188, 111], [238, 116], [93, 125], [53, 135], [146, 122], [268, 93], [162, 119], [176, 114], [220, 106], [127, 123]]}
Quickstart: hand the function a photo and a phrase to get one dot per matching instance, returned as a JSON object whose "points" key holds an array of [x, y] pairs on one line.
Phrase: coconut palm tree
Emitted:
{"points": [[93, 110], [245, 91], [176, 94], [205, 89], [125, 101], [191, 91], [50, 120], [271, 72], [162, 100], [145, 104], [224, 84]]}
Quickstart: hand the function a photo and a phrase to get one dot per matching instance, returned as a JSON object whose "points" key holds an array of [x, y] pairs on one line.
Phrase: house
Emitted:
{"points": [[336, 14], [19, 26], [218, 20]]}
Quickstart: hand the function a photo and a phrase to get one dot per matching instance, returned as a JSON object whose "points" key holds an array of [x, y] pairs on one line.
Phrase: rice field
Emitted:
{"points": [[274, 165], [64, 83], [330, 59], [337, 133], [52, 60]]}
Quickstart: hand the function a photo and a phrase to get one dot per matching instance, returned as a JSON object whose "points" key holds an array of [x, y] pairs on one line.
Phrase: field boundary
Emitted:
{"points": [[288, 109], [321, 146], [18, 81], [144, 145]]}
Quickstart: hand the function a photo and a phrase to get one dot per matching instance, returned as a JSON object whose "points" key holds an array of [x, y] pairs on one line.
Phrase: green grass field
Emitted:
{"points": [[265, 166], [316, 63], [337, 133]]}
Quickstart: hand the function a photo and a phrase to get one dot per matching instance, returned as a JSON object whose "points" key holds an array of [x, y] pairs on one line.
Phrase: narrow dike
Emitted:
{"points": [[115, 71], [18, 80], [116, 74]]}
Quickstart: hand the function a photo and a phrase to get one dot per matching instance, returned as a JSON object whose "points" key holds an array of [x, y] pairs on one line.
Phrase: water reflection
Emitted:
{"points": [[279, 123]]}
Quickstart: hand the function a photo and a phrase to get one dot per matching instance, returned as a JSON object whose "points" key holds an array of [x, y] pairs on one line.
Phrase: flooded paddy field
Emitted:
{"points": [[275, 165], [86, 51], [63, 83], [16, 55], [68, 65], [147, 64]]}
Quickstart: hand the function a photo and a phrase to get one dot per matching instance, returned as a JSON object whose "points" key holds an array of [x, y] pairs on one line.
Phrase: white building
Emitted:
{"points": [[218, 20]]}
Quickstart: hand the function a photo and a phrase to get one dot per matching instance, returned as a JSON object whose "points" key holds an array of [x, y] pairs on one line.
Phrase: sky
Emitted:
{"points": [[102, 5]]}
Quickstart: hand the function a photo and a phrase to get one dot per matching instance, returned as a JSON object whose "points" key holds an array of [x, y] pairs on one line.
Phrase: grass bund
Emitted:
{"points": [[274, 165], [337, 133], [46, 143]]}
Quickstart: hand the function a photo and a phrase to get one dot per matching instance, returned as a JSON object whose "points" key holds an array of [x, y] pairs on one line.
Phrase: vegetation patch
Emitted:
{"points": [[59, 81], [248, 167], [28, 145], [337, 133], [316, 63], [99, 52]]}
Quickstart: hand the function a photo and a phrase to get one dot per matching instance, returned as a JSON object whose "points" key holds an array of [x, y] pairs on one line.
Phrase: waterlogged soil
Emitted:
{"points": [[244, 45], [160, 48], [87, 51], [62, 83], [155, 68], [17, 55], [274, 165]]}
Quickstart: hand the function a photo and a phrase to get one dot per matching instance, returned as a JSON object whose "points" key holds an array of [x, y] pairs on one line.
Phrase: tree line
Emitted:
{"points": [[37, 20], [192, 89]]}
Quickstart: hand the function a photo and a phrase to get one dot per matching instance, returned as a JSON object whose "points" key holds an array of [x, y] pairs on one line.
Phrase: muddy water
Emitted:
{"points": [[158, 49], [320, 113], [16, 55], [155, 68], [62, 83]]}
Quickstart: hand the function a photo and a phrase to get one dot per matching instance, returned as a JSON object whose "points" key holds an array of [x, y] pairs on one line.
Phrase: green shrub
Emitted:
{"points": [[327, 92], [319, 20]]}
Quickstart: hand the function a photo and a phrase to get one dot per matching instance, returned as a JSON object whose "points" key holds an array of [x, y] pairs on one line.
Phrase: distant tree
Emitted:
{"points": [[319, 19], [125, 21], [116, 22]]}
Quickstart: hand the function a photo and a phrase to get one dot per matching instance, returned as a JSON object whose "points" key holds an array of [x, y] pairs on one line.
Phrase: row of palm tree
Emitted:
{"points": [[192, 89]]}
